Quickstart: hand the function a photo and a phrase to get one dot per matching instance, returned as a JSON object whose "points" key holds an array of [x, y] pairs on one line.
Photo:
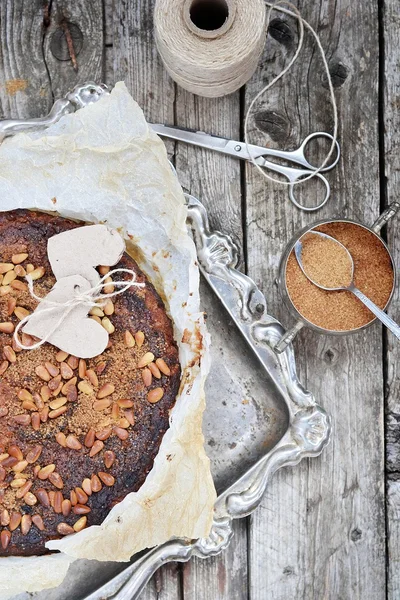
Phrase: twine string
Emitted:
{"points": [[89, 298], [217, 65]]}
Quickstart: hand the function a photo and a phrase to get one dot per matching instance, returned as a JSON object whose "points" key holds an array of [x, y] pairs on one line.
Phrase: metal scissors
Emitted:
{"points": [[259, 153]]}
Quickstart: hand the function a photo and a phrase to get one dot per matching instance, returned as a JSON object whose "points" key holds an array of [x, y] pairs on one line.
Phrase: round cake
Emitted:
{"points": [[76, 436]]}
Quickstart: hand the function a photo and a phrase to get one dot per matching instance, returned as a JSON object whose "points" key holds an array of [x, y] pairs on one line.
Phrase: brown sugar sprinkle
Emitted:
{"points": [[341, 310], [325, 262]]}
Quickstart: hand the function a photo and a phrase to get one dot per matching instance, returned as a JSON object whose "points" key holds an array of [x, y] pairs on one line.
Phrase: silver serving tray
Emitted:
{"points": [[258, 419]]}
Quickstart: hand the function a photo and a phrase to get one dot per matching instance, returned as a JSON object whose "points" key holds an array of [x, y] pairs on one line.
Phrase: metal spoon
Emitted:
{"points": [[382, 316]]}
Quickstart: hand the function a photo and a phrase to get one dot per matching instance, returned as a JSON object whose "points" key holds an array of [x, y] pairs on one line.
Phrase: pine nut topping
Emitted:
{"points": [[11, 304], [104, 434], [95, 483], [73, 442], [155, 395], [19, 258], [37, 273], [13, 450], [73, 362], [5, 537], [125, 403], [64, 529], [43, 373], [54, 383], [61, 356], [89, 439], [145, 360], [44, 413], [25, 396], [96, 448], [82, 368], [106, 390], [35, 421], [17, 483], [103, 270], [53, 414], [129, 339], [124, 423], [115, 411], [106, 478], [15, 520], [96, 311], [4, 366], [28, 405], [81, 509], [108, 326], [20, 271], [9, 354], [121, 433], [45, 471], [74, 499], [91, 375], [6, 327], [80, 524], [101, 404], [30, 268], [9, 277], [30, 499], [66, 371], [21, 312], [109, 308], [80, 494], [56, 480], [26, 524], [57, 504], [20, 466], [66, 507], [100, 367], [129, 416], [52, 369], [87, 487], [61, 439], [3, 411], [58, 402], [43, 497], [108, 289], [4, 517], [139, 338], [19, 285], [45, 393], [155, 371], [34, 454], [5, 289], [22, 419], [6, 267], [38, 522], [85, 388]]}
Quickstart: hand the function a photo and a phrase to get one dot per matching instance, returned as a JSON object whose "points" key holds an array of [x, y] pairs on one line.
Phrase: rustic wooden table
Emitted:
{"points": [[330, 528]]}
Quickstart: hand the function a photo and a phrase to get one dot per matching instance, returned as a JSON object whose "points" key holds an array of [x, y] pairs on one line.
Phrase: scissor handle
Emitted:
{"points": [[300, 152], [307, 208]]}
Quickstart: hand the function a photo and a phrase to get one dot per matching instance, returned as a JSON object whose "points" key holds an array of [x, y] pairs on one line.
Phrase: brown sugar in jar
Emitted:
{"points": [[341, 310]]}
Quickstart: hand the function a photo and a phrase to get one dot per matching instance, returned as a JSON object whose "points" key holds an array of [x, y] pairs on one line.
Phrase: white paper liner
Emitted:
{"points": [[104, 164]]}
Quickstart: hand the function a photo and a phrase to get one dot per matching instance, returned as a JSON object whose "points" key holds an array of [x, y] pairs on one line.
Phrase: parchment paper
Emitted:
{"points": [[104, 164]]}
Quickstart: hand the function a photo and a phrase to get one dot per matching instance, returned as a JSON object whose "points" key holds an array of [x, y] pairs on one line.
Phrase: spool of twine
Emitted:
{"points": [[210, 47]]}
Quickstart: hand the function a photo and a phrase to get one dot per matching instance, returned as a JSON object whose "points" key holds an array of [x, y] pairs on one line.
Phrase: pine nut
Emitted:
{"points": [[103, 270], [26, 523], [101, 404], [24, 489], [106, 478], [109, 308], [129, 339], [81, 509], [96, 448], [155, 395], [86, 486], [64, 529], [19, 258], [15, 451], [121, 433], [66, 371], [5, 289], [82, 368], [57, 504], [91, 375], [81, 495], [20, 312], [57, 403], [145, 360], [89, 439], [80, 524], [106, 390], [56, 480], [96, 311], [43, 373], [73, 362], [61, 439], [35, 421], [108, 326], [25, 396], [4, 366], [155, 371], [4, 517], [61, 356], [5, 537], [66, 507], [52, 369], [15, 520], [34, 453], [19, 285], [73, 442], [9, 354], [45, 471], [37, 273], [6, 267], [9, 277], [20, 272], [11, 304], [95, 483], [53, 414], [30, 499], [85, 388], [43, 497], [6, 327], [139, 338], [125, 403], [38, 522], [28, 405], [109, 458], [104, 434]]}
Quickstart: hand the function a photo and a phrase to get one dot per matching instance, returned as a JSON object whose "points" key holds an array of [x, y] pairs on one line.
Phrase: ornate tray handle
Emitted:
{"points": [[309, 425]]}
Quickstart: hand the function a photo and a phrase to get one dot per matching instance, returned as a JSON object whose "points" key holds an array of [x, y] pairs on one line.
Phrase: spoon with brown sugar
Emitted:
{"points": [[329, 265]]}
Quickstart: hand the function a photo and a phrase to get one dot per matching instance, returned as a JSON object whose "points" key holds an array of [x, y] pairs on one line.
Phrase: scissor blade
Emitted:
{"points": [[197, 138]]}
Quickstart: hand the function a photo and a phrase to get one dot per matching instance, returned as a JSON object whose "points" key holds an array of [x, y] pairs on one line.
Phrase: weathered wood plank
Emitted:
{"points": [[391, 127], [84, 21], [24, 82], [134, 59], [320, 532]]}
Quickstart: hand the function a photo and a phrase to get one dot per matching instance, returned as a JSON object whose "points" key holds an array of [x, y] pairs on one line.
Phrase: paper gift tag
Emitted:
{"points": [[73, 256]]}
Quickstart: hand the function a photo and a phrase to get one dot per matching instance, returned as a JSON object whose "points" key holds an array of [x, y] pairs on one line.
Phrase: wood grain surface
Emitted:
{"points": [[328, 529]]}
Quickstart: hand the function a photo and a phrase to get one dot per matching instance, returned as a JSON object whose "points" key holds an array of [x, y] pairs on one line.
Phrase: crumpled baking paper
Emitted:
{"points": [[104, 164]]}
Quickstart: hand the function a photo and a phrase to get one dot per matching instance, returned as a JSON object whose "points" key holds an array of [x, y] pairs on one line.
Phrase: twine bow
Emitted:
{"points": [[88, 298]]}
